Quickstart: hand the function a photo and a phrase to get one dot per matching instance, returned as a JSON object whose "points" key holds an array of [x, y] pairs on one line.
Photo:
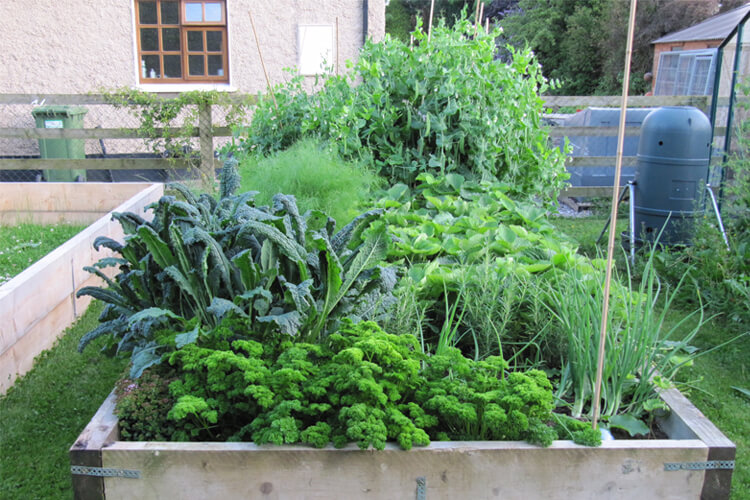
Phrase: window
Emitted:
{"points": [[182, 41], [686, 72]]}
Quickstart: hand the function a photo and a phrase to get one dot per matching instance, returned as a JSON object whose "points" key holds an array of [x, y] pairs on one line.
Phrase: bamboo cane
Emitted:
{"points": [[476, 18], [613, 215], [429, 22], [262, 63]]}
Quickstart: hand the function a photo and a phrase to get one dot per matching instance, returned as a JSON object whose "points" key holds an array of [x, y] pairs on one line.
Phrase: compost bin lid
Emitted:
{"points": [[675, 132], [59, 110]]}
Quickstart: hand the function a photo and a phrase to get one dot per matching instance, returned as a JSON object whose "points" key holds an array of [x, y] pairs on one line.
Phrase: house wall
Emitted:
{"points": [[668, 47], [69, 46]]}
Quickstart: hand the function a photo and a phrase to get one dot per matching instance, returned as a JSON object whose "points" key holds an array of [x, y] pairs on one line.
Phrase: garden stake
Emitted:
{"points": [[481, 15], [263, 64], [476, 18], [429, 25], [337, 46], [613, 214]]}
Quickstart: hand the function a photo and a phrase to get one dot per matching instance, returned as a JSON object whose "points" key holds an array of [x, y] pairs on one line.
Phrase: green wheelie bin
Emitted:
{"points": [[61, 117]]}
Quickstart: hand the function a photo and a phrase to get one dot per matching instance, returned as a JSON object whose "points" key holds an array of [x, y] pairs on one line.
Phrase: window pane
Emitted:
{"points": [[213, 12], [150, 67], [195, 41], [147, 12], [213, 41], [215, 65], [170, 39], [196, 66], [170, 13], [149, 39], [172, 66], [193, 12]]}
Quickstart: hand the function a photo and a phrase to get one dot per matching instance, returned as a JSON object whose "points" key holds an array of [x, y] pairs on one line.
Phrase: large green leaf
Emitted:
{"points": [[142, 358], [108, 296], [630, 424], [183, 339], [159, 249], [297, 225], [152, 313], [107, 242], [288, 323], [249, 272], [372, 252], [350, 235], [221, 307], [331, 276]]}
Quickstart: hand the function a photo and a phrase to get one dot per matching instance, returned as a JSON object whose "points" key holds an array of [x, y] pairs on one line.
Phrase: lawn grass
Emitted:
{"points": [[43, 413], [23, 244], [708, 383]]}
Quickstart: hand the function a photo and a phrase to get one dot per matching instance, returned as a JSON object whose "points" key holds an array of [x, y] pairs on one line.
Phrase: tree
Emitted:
{"points": [[563, 35], [581, 43], [654, 19]]}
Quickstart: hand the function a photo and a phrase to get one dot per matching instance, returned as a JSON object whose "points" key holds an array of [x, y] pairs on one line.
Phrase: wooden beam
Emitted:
{"points": [[700, 101], [207, 146], [23, 200], [40, 301], [95, 99], [685, 421], [599, 161], [98, 133], [586, 191], [94, 164], [87, 451], [589, 131]]}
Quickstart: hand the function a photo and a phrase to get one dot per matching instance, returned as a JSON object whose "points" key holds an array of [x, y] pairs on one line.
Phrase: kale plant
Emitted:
{"points": [[201, 259]]}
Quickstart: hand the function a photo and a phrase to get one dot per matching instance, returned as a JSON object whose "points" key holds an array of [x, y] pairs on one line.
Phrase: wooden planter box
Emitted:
{"points": [[675, 468], [39, 304]]}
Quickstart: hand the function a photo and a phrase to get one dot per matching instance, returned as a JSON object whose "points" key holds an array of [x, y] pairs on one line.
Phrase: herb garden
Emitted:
{"points": [[441, 304]]}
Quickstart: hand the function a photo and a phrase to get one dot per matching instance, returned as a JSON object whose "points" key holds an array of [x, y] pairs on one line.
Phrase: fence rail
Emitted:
{"points": [[207, 131]]}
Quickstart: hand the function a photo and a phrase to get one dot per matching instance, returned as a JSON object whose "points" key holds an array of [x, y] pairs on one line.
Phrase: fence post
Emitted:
{"points": [[206, 144]]}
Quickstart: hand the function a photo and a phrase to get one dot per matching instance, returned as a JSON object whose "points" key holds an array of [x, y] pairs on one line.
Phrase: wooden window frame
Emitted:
{"points": [[184, 53]]}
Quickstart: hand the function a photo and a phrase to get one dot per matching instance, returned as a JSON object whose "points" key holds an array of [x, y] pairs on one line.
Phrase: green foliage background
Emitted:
{"points": [[582, 42], [442, 105]]}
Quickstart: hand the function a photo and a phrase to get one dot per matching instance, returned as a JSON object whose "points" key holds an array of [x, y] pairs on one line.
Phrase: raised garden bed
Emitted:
{"points": [[39, 303], [104, 467]]}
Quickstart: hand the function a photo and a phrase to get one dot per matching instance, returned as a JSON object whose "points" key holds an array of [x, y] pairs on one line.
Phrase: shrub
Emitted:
{"points": [[443, 105], [317, 177]]}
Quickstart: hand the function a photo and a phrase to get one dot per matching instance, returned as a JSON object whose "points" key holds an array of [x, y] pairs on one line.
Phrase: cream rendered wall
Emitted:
{"points": [[74, 46], [277, 23], [65, 46]]}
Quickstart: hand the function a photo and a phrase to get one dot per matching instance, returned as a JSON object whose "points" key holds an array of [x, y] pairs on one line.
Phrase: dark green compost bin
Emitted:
{"points": [[670, 176], [66, 117]]}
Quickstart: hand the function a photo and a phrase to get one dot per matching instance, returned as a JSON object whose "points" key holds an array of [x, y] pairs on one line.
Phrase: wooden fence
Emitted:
{"points": [[207, 132]]}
